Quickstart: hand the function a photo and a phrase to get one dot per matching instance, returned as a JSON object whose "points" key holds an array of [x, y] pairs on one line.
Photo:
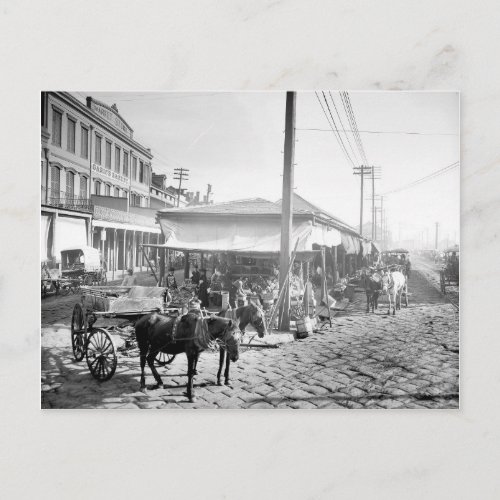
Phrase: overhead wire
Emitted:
{"points": [[428, 177], [334, 128]]}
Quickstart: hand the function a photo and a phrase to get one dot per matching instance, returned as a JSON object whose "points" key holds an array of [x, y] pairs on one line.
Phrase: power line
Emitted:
{"points": [[354, 125], [334, 129], [348, 131], [343, 128], [180, 175], [426, 178]]}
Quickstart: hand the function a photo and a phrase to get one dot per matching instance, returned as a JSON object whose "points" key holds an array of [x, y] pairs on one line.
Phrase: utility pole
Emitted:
{"points": [[373, 204], [362, 170], [180, 174], [437, 235], [287, 209]]}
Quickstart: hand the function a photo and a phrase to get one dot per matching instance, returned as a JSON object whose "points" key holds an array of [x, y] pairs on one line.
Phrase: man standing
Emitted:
{"points": [[130, 279], [203, 289], [170, 279]]}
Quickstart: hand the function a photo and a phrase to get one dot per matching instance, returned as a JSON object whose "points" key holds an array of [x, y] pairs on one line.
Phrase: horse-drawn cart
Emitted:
{"points": [[450, 272], [95, 343]]}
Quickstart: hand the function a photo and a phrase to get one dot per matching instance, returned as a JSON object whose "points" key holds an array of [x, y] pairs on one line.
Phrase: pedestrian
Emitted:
{"points": [[195, 276], [130, 279], [170, 279], [203, 289], [408, 268]]}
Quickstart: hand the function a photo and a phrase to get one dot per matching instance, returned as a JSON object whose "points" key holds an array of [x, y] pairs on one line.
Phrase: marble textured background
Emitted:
{"points": [[257, 45]]}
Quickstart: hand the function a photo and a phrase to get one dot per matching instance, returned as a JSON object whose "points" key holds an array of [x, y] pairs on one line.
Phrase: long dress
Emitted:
{"points": [[203, 292]]}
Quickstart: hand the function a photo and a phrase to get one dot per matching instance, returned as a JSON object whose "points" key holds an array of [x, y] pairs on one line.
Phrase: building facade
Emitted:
{"points": [[95, 182]]}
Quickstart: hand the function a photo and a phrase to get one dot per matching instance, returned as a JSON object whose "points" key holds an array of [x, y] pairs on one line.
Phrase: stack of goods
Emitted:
{"points": [[181, 295]]}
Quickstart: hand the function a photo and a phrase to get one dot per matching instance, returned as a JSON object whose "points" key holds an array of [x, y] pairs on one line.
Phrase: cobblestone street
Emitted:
{"points": [[410, 360]]}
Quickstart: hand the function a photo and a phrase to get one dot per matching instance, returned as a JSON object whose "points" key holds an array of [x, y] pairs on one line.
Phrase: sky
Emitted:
{"points": [[235, 141]]}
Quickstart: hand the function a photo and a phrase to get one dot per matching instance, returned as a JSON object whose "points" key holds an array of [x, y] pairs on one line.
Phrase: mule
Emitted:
{"points": [[243, 316], [393, 285], [373, 287], [191, 334]]}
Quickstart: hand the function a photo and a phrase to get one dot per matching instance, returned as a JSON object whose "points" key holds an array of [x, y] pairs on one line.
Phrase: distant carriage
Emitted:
{"points": [[450, 272], [83, 264]]}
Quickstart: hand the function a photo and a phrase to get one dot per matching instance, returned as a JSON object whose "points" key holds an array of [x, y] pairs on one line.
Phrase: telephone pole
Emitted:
{"points": [[362, 170], [287, 209], [180, 174]]}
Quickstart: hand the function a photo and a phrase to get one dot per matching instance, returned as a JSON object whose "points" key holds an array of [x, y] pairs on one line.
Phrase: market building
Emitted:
{"points": [[95, 182]]}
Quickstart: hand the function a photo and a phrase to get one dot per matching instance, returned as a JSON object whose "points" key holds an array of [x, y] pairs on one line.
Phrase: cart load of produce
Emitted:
{"points": [[182, 295]]}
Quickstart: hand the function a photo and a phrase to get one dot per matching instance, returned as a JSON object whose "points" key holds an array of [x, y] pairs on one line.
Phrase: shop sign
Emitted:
{"points": [[111, 117], [98, 169]]}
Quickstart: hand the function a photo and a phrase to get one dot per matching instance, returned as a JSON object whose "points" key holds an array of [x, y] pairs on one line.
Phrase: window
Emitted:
{"points": [[108, 155], [117, 192], [85, 142], [134, 168], [83, 187], [124, 194], [141, 171], [125, 163], [56, 127], [97, 187], [55, 181], [71, 135], [98, 141], [70, 184], [107, 190], [117, 159]]}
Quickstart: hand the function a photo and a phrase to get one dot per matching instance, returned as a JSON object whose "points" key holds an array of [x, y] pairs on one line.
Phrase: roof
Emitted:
{"points": [[396, 250], [454, 248], [83, 248], [307, 206], [249, 206]]}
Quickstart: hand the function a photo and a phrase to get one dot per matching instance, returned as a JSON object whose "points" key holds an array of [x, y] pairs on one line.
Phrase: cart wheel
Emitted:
{"points": [[78, 332], [101, 355], [163, 359], [87, 280], [64, 290]]}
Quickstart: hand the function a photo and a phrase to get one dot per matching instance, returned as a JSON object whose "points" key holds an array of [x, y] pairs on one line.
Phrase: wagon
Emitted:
{"points": [[82, 264], [450, 272], [97, 344]]}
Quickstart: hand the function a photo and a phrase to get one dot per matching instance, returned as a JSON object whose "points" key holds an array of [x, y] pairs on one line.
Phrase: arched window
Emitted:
{"points": [[70, 184], [83, 188], [107, 190], [117, 192], [55, 181], [97, 187]]}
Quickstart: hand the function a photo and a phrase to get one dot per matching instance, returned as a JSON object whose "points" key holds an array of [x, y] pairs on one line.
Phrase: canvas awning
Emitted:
{"points": [[367, 248], [122, 225], [246, 235], [350, 243], [375, 247], [44, 236], [70, 232]]}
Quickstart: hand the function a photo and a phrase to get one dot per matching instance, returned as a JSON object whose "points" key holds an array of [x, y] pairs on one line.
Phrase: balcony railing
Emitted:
{"points": [[112, 215], [69, 201]]}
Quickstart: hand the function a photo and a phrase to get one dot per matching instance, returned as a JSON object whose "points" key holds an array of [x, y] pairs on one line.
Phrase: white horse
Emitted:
{"points": [[393, 284]]}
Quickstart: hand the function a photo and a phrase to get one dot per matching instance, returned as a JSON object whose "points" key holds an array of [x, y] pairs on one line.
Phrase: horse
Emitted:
{"points": [[393, 284], [373, 286], [250, 314], [191, 334]]}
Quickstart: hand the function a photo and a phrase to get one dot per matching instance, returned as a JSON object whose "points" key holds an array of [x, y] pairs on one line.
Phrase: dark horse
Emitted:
{"points": [[191, 334], [243, 316], [373, 288]]}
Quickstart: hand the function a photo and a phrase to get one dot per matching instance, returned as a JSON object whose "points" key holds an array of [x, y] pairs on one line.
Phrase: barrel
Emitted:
{"points": [[225, 300], [304, 327]]}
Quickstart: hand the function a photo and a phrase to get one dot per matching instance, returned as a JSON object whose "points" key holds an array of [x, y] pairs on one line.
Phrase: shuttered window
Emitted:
{"points": [[55, 181], [117, 159], [70, 184], [83, 187], [71, 135], [108, 155], [85, 142], [125, 163], [98, 146], [56, 127]]}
